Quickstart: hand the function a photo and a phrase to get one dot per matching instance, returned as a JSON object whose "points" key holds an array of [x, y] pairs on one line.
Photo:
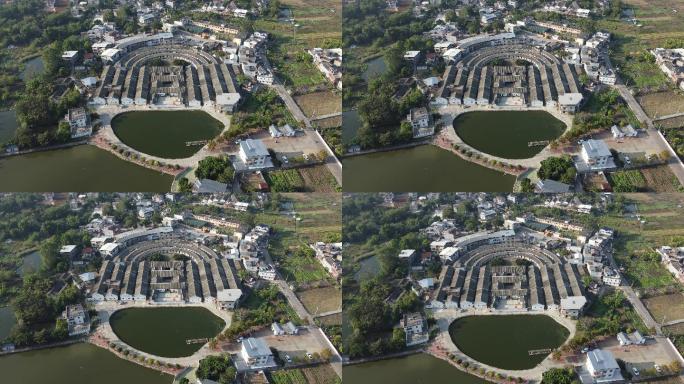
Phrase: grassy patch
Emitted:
{"points": [[286, 180], [321, 300], [666, 307], [319, 103], [318, 179]]}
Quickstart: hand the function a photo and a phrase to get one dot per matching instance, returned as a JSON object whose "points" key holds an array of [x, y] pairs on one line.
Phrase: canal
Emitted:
{"points": [[425, 168], [76, 364], [83, 168], [165, 133], [414, 369], [507, 134], [503, 341], [8, 125], [164, 331]]}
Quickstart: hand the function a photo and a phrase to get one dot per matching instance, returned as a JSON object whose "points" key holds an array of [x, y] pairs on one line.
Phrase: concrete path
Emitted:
{"points": [[324, 314], [329, 115], [104, 329], [443, 340], [672, 116]]}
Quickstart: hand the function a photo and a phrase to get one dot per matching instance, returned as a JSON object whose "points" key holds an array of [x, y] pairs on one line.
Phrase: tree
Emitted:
{"points": [[559, 376], [216, 368], [184, 185], [558, 168], [215, 168]]}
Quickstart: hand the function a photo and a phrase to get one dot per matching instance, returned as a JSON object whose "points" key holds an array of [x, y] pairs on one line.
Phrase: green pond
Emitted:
{"points": [[164, 331], [368, 268], [8, 125], [507, 134], [351, 122], [75, 364], [503, 341], [424, 168], [7, 321], [32, 68], [165, 133], [30, 263], [374, 68], [83, 168], [414, 369]]}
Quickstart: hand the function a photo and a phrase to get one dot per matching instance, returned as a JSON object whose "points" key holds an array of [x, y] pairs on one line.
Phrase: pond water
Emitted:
{"points": [[83, 168], [7, 321], [368, 268], [503, 341], [507, 134], [164, 331], [76, 364], [32, 68], [414, 369], [31, 263], [425, 168], [375, 67], [351, 122], [165, 133], [8, 125]]}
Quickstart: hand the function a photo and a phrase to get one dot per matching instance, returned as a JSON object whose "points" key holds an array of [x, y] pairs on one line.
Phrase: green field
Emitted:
{"points": [[634, 248], [628, 181], [287, 180]]}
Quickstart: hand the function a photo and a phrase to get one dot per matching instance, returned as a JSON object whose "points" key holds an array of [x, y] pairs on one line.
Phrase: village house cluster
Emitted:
{"points": [[671, 62], [330, 257], [329, 62]]}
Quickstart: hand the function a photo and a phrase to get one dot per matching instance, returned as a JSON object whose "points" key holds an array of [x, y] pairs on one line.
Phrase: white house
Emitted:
{"points": [[420, 122], [77, 320], [415, 329], [79, 122], [254, 154], [256, 353], [602, 366], [596, 155]]}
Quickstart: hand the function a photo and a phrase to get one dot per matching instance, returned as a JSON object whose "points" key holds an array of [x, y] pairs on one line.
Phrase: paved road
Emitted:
{"points": [[291, 104], [645, 315]]}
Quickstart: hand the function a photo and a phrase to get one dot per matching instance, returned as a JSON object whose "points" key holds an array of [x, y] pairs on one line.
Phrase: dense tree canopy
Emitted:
{"points": [[215, 168]]}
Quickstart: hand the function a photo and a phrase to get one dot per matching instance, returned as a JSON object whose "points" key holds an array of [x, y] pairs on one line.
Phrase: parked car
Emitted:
{"points": [[284, 159], [635, 371], [309, 355], [288, 358]]}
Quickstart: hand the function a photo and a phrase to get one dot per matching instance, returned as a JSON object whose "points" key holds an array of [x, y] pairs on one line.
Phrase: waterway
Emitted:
{"points": [[8, 125], [31, 263], [164, 331], [83, 168], [165, 133], [425, 168], [503, 341], [75, 364], [351, 122], [32, 68], [374, 68], [414, 369], [7, 321], [507, 133]]}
